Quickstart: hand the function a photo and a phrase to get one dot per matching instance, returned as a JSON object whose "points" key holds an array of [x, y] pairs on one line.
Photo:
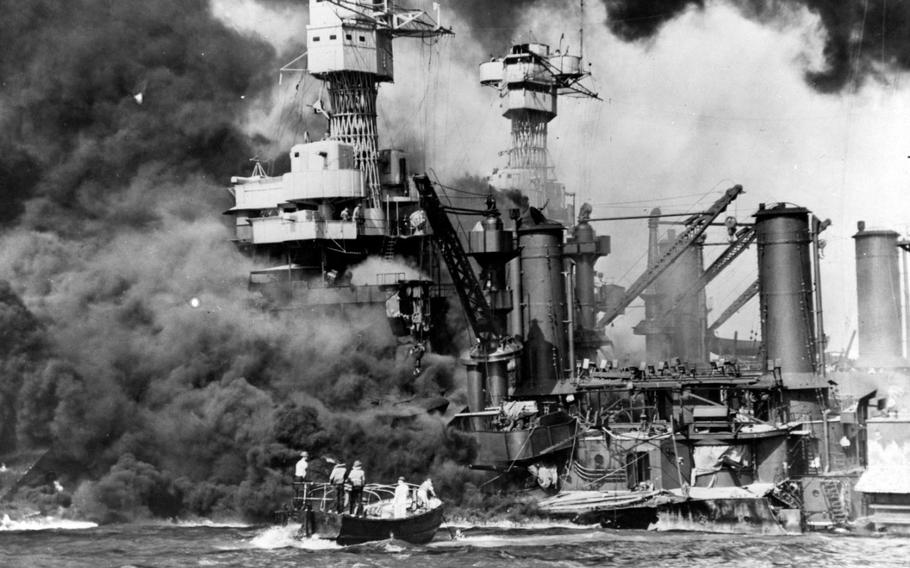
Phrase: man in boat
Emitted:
{"points": [[301, 504], [357, 478], [337, 478], [300, 468], [424, 493], [400, 502]]}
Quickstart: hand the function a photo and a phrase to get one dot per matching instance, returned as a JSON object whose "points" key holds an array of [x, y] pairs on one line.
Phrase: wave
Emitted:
{"points": [[505, 524], [193, 523], [39, 523], [285, 537]]}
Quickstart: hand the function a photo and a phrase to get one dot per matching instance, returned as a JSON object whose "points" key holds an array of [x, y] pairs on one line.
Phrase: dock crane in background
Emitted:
{"points": [[737, 304], [744, 237], [695, 228]]}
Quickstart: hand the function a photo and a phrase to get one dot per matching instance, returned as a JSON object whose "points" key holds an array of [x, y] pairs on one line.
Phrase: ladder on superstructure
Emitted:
{"points": [[831, 489], [389, 246]]}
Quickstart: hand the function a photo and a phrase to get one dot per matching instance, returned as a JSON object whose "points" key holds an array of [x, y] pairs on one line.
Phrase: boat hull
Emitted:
{"points": [[348, 529]]}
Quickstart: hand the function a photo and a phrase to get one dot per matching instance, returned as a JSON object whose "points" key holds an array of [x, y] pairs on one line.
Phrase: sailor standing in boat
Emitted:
{"points": [[337, 478], [424, 493], [300, 468], [301, 501], [400, 502], [357, 478]]}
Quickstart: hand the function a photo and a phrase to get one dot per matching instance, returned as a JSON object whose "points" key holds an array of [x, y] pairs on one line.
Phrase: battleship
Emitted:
{"points": [[771, 435]]}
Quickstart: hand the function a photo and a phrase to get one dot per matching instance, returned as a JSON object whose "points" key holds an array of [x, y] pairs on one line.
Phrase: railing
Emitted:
{"points": [[389, 278], [323, 496]]}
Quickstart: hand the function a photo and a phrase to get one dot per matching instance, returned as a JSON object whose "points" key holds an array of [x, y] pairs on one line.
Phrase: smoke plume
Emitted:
{"points": [[862, 38], [130, 347], [495, 24]]}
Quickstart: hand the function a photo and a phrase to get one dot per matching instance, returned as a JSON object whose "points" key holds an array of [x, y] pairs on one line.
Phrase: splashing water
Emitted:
{"points": [[285, 537], [43, 523]]}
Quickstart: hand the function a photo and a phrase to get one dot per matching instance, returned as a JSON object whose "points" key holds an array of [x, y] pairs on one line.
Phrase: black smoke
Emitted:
{"points": [[73, 74], [496, 25], [129, 346], [637, 20], [863, 38]]}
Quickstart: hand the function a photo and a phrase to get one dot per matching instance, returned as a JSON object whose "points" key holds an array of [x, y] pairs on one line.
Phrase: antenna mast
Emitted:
{"points": [[581, 32]]}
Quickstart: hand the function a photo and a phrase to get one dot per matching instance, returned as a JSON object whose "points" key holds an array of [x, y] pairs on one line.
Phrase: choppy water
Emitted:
{"points": [[487, 547]]}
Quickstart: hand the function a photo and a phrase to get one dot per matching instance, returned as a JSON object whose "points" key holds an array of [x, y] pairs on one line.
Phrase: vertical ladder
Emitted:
{"points": [[831, 489], [389, 246]]}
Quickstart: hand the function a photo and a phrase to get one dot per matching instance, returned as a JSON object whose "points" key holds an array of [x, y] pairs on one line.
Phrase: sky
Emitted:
{"points": [[719, 93]]}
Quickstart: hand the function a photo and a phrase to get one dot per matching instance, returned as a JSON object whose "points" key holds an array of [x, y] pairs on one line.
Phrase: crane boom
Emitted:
{"points": [[737, 304], [744, 238], [695, 227], [470, 292]]}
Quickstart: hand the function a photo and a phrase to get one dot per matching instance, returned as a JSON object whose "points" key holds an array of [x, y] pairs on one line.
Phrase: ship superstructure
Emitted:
{"points": [[344, 199], [700, 444], [530, 79]]}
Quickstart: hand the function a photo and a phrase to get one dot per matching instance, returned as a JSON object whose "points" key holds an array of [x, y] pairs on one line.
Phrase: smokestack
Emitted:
{"points": [[585, 248], [785, 294], [687, 325], [544, 298], [657, 347], [878, 293]]}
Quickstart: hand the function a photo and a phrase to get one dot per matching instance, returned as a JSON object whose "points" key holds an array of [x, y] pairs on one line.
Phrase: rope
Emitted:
{"points": [[675, 451], [523, 444]]}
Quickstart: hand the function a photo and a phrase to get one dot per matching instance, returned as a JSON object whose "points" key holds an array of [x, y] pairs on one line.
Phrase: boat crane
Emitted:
{"points": [[737, 304], [743, 239], [695, 228], [481, 318]]}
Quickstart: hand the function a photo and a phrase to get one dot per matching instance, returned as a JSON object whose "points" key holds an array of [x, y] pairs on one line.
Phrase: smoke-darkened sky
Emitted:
{"points": [[861, 38]]}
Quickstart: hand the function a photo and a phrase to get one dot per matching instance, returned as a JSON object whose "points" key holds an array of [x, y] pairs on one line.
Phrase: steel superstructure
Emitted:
{"points": [[349, 47], [530, 79]]}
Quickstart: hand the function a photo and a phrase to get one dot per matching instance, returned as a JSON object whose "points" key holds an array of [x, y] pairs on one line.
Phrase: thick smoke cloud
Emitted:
{"points": [[863, 38], [72, 120], [491, 23], [636, 20], [153, 405], [497, 25]]}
